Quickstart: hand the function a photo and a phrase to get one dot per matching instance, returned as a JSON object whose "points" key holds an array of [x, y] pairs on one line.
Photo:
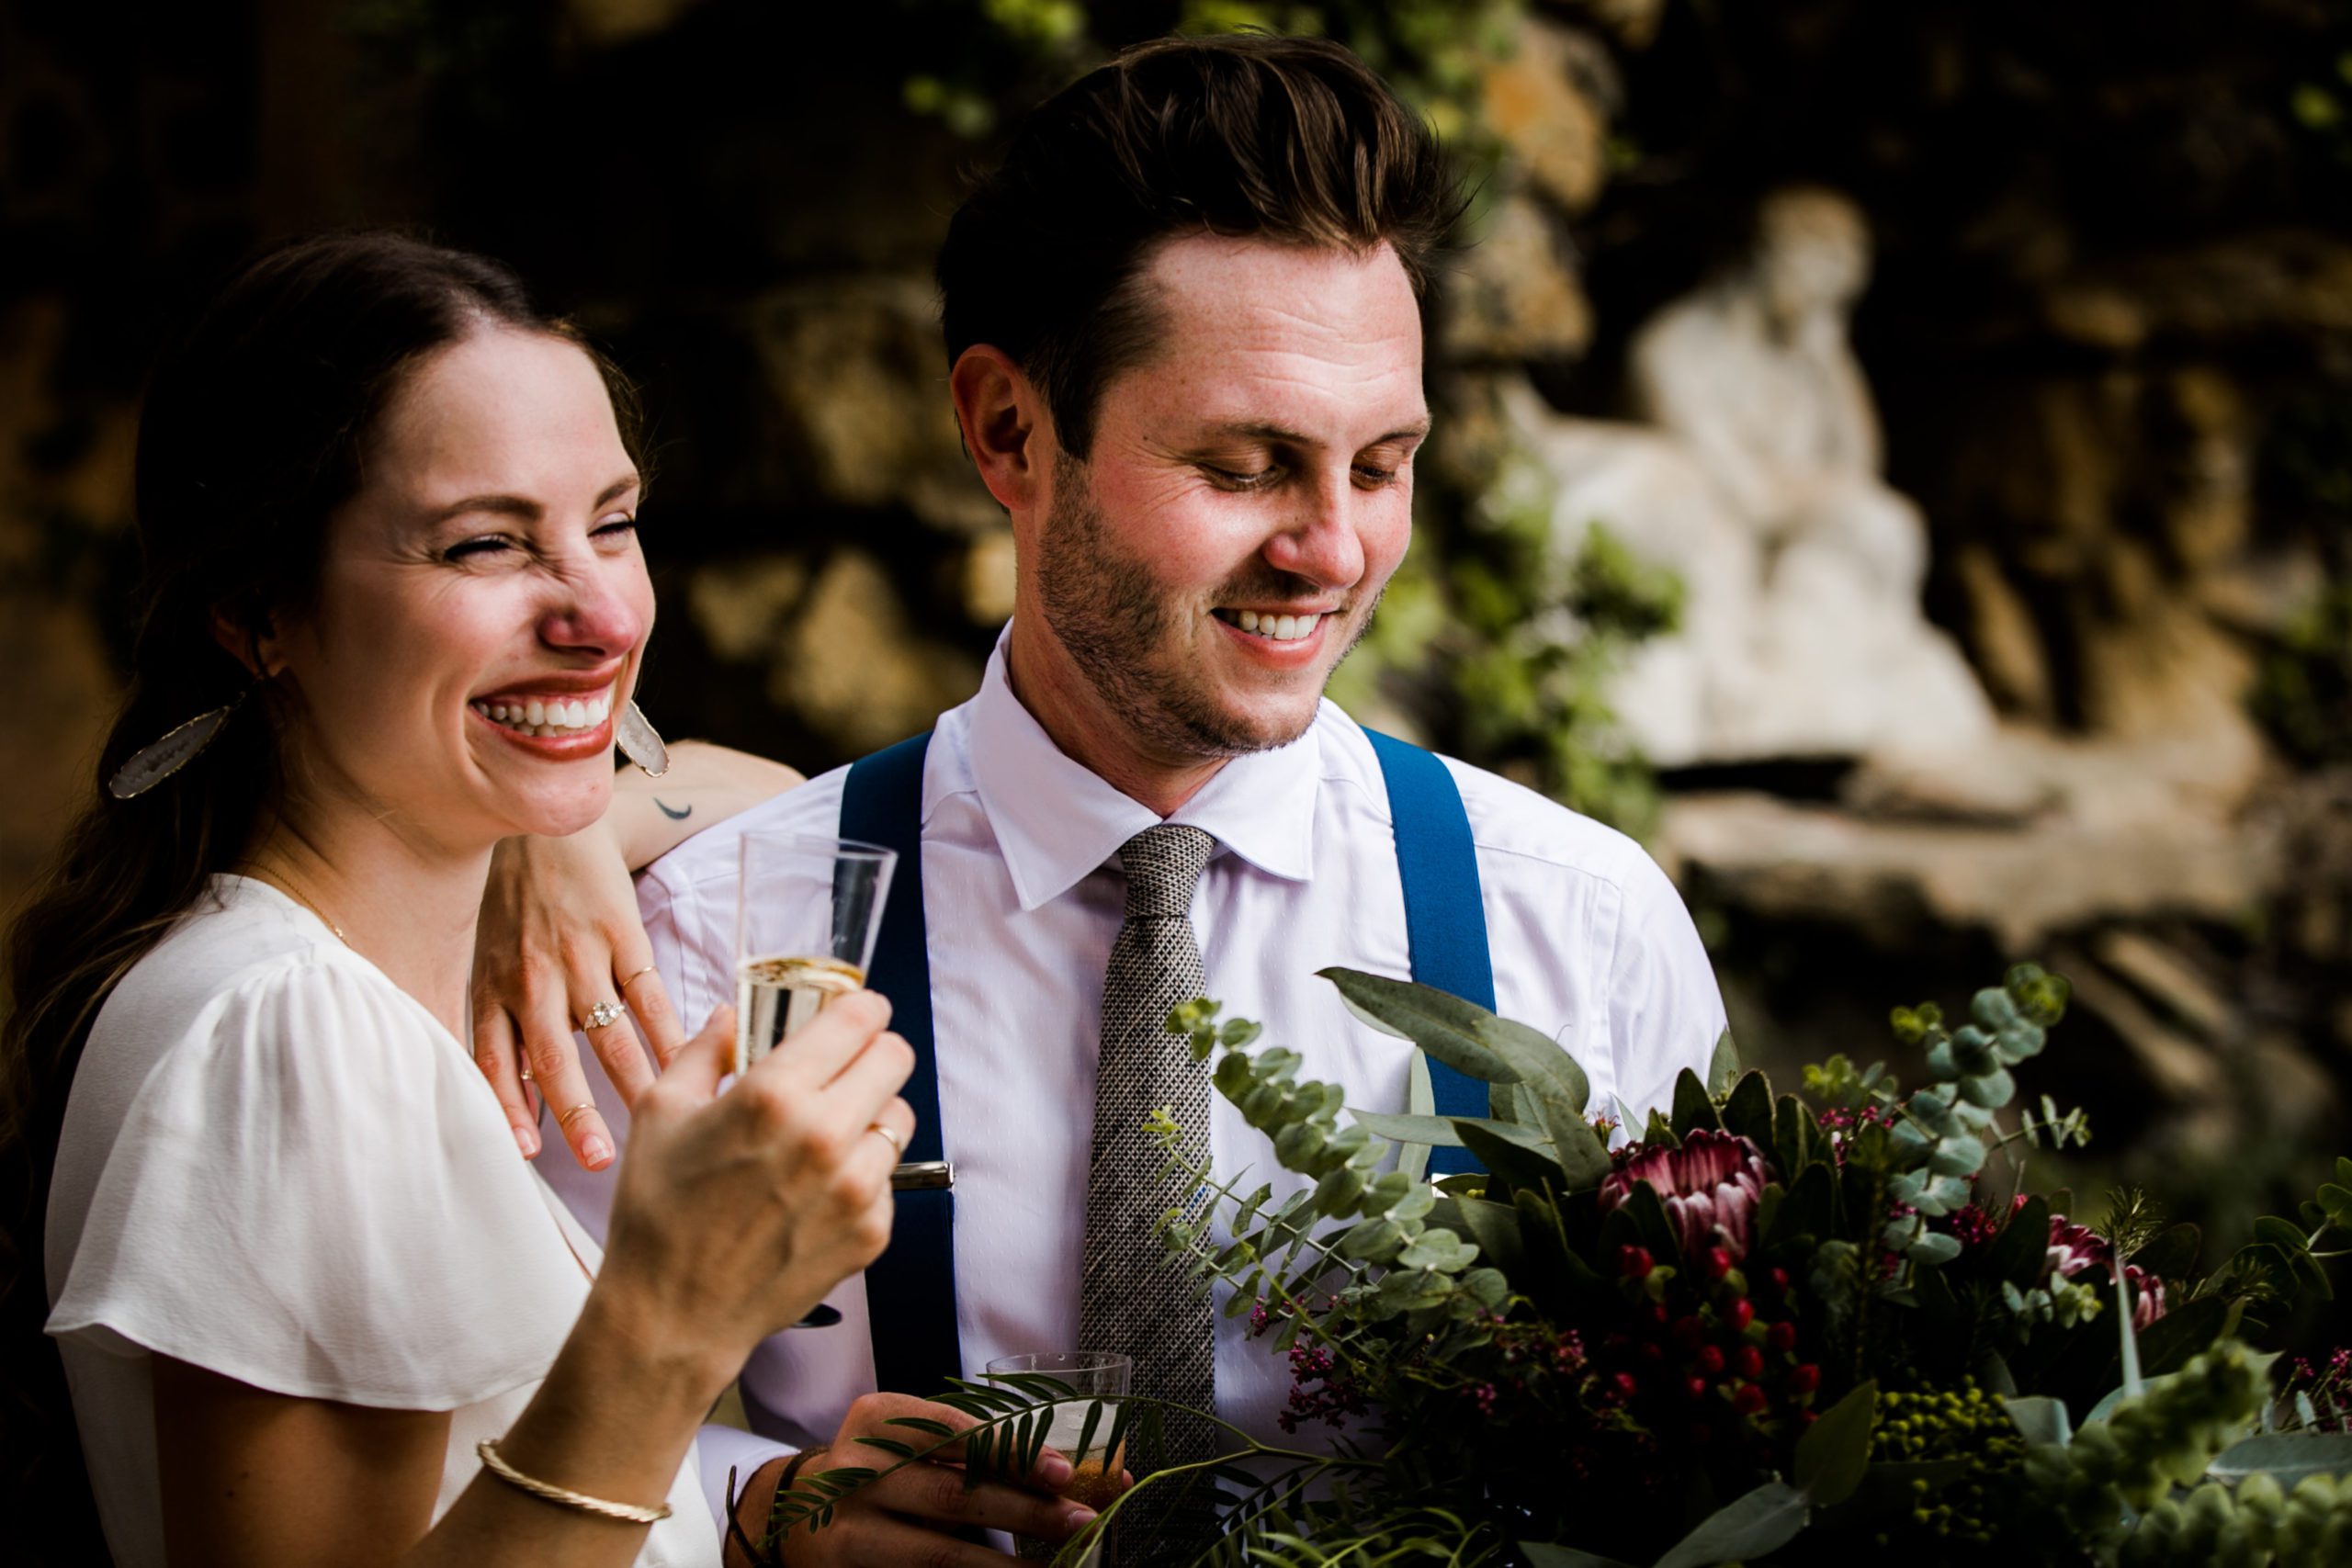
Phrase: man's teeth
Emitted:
{"points": [[539, 715], [1281, 628]]}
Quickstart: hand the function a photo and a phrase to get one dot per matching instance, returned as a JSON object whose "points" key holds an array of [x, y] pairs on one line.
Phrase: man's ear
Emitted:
{"points": [[1006, 427]]}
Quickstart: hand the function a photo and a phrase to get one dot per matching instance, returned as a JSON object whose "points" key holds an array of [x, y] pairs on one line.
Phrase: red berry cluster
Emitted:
{"points": [[1703, 1357]]}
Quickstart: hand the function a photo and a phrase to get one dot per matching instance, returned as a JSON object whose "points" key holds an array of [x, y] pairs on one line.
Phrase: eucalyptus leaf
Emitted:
{"points": [[1496, 1228], [1835, 1449], [2287, 1457], [1934, 1247], [1540, 1556], [2284, 1234], [1421, 1099], [1441, 1132], [1472, 1039], [2040, 1419], [1722, 1067], [1760, 1521], [1519, 1166]]}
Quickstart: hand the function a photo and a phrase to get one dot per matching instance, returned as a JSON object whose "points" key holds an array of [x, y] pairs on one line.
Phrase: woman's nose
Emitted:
{"points": [[602, 609]]}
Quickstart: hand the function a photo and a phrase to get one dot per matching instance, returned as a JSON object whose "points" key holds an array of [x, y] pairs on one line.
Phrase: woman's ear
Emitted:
{"points": [[250, 639], [1005, 425]]}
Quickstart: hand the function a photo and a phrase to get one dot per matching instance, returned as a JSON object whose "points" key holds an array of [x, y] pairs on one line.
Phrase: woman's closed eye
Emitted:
{"points": [[617, 528]]}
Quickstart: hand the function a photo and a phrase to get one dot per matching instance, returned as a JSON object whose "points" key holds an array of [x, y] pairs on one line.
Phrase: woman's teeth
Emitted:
{"points": [[539, 715], [1280, 629]]}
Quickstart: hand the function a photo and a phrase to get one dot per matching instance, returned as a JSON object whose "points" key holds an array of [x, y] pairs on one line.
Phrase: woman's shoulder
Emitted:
{"points": [[242, 947], [277, 1166]]}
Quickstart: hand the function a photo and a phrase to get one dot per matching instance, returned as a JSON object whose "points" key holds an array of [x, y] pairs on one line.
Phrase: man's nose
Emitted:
{"points": [[1322, 542]]}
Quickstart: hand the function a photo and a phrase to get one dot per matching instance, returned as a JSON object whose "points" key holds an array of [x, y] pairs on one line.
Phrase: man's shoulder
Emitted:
{"points": [[1506, 820], [813, 807]]}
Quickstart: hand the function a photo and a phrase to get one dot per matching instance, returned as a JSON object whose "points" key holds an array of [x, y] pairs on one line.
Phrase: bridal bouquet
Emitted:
{"points": [[1760, 1328]]}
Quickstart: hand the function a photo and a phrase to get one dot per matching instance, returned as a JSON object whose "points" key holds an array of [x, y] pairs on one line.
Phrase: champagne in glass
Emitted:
{"points": [[776, 994], [807, 911]]}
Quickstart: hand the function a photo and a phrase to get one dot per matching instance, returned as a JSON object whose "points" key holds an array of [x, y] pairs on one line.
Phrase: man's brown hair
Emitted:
{"points": [[1290, 138]]}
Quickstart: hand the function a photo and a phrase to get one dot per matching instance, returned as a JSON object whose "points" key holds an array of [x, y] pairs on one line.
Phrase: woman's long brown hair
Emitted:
{"points": [[251, 436]]}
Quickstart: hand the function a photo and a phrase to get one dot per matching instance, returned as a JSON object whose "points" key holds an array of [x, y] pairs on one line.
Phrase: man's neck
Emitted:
{"points": [[1047, 682]]}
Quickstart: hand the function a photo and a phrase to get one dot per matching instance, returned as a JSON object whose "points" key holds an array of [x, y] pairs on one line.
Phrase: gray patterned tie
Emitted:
{"points": [[1131, 1300]]}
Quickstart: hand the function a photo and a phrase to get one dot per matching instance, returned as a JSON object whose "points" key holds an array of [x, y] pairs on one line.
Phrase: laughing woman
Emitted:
{"points": [[311, 1305]]}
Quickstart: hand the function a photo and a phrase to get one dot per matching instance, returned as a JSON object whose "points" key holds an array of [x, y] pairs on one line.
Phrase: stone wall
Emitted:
{"points": [[2109, 334]]}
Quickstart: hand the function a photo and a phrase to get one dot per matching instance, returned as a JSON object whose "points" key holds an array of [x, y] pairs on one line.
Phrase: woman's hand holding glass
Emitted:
{"points": [[736, 1212]]}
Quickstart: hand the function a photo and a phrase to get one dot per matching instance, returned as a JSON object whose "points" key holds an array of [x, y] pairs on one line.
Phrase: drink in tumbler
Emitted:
{"points": [[1090, 1378], [775, 995], [1096, 1481]]}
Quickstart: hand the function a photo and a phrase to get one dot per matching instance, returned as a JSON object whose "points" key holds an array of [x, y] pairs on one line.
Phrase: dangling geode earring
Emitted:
{"points": [[151, 765], [638, 741]]}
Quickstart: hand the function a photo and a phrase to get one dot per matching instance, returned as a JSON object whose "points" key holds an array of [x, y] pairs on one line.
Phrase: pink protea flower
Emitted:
{"points": [[2074, 1248], [1709, 1186]]}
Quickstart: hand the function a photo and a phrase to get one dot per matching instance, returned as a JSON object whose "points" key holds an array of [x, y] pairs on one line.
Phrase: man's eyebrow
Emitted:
{"points": [[522, 507], [1262, 430]]}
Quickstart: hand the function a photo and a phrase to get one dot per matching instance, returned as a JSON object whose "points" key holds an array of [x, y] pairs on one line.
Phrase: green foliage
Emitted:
{"points": [[2304, 693], [1799, 1313], [1534, 680]]}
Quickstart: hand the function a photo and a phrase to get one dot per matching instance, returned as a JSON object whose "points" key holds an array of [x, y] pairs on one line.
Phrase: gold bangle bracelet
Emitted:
{"points": [[564, 1497]]}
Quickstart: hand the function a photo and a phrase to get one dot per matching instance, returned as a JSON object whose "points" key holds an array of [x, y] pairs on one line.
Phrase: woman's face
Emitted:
{"points": [[482, 603]]}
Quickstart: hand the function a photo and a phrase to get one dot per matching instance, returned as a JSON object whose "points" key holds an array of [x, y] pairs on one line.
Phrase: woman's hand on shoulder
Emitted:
{"points": [[560, 933], [735, 1214]]}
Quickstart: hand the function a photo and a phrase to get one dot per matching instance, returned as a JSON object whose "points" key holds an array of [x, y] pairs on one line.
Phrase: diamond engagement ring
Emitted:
{"points": [[602, 1014]]}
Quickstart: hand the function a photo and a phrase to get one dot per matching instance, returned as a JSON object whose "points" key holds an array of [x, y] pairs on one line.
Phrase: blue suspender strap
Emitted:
{"points": [[1446, 919], [911, 1289]]}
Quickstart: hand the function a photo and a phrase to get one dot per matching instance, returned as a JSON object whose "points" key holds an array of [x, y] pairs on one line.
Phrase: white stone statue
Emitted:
{"points": [[1756, 475]]}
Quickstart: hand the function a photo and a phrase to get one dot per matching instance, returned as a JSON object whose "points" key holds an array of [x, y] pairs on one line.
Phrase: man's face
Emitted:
{"points": [[1249, 492]]}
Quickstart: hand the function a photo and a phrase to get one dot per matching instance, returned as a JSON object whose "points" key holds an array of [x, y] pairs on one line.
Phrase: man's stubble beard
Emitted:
{"points": [[1107, 613]]}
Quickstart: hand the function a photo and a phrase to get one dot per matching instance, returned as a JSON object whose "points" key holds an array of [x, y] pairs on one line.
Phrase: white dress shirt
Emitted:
{"points": [[1023, 899]]}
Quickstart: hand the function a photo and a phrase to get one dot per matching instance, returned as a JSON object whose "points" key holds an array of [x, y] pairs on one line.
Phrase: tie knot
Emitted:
{"points": [[1163, 865]]}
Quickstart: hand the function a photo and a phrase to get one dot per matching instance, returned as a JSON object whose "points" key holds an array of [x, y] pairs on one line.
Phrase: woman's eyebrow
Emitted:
{"points": [[523, 507]]}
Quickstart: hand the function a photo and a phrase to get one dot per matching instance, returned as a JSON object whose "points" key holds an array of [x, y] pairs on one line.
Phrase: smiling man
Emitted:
{"points": [[1183, 322]]}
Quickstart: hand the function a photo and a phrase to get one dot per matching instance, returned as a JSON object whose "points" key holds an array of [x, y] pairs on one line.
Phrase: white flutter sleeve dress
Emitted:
{"points": [[279, 1165]]}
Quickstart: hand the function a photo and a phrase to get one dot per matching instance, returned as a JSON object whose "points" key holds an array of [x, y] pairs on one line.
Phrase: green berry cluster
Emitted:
{"points": [[2262, 1522], [1962, 1424], [2163, 1438]]}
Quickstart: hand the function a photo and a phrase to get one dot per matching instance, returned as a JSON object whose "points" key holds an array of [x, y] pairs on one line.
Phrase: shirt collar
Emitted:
{"points": [[1057, 821]]}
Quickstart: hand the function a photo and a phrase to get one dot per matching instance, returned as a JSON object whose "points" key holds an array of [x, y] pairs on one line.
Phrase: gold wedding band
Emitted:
{"points": [[898, 1147], [602, 1014], [565, 1120], [638, 975]]}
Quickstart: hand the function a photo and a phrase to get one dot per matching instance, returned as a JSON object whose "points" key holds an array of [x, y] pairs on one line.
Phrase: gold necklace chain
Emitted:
{"points": [[278, 881]]}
